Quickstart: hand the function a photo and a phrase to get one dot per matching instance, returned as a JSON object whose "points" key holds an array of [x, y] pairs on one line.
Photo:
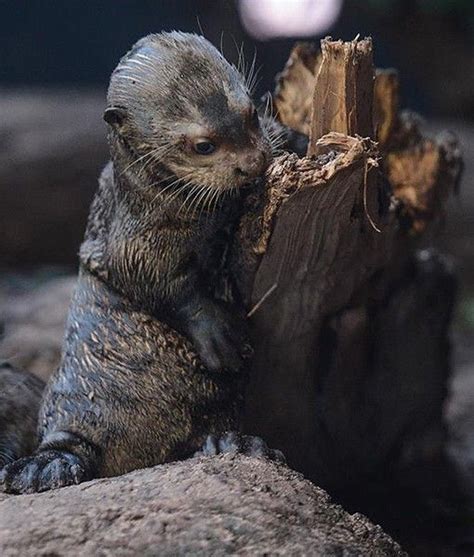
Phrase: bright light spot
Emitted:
{"points": [[267, 19]]}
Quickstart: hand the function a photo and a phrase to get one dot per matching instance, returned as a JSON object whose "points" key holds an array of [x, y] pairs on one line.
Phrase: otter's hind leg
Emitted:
{"points": [[20, 397], [63, 459]]}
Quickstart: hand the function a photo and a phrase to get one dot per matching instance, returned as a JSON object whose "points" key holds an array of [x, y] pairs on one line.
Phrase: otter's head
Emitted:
{"points": [[182, 111]]}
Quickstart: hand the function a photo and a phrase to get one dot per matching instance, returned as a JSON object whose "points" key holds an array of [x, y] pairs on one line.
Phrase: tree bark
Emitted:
{"points": [[327, 263]]}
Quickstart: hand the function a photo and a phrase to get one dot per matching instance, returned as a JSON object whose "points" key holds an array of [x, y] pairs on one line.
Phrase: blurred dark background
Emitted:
{"points": [[76, 43]]}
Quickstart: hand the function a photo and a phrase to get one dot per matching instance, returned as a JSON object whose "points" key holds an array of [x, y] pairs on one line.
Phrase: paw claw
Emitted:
{"points": [[41, 472], [235, 443]]}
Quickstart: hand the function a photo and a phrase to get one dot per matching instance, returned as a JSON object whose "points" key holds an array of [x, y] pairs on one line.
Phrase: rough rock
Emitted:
{"points": [[210, 506]]}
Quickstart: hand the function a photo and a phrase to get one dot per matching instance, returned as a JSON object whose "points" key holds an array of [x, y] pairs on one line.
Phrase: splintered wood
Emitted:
{"points": [[293, 96], [421, 170], [310, 244], [386, 105], [313, 236], [343, 91]]}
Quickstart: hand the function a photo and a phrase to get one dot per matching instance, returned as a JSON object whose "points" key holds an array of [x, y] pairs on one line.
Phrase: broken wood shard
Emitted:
{"points": [[333, 153], [350, 98], [293, 98], [295, 87], [386, 105], [343, 92], [422, 170]]}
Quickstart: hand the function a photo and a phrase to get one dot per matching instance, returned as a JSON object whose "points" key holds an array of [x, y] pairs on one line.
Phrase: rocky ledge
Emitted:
{"points": [[221, 505]]}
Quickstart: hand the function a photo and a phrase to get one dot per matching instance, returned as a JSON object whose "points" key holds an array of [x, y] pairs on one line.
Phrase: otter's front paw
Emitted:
{"points": [[235, 443], [218, 339], [41, 472]]}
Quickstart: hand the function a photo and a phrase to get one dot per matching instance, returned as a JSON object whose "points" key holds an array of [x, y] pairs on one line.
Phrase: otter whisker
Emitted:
{"points": [[214, 198], [252, 77], [157, 156], [160, 150], [134, 162], [189, 202], [202, 200], [166, 178], [249, 72], [217, 197], [222, 43], [187, 188], [178, 183], [274, 134], [240, 59], [199, 198], [179, 191], [167, 187], [191, 187], [179, 186], [208, 200], [268, 112]]}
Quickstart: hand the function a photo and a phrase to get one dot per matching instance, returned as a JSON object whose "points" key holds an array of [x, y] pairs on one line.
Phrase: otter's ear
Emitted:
{"points": [[115, 116]]}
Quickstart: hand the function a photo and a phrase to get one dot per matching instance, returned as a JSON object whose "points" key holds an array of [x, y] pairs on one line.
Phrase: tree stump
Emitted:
{"points": [[349, 320]]}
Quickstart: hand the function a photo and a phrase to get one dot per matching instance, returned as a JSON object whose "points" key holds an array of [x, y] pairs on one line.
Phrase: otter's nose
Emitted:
{"points": [[253, 165]]}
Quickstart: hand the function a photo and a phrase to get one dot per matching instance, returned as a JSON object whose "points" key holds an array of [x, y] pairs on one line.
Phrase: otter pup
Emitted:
{"points": [[130, 392]]}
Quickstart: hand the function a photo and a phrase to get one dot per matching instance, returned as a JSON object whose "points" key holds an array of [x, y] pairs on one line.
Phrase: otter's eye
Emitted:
{"points": [[204, 147]]}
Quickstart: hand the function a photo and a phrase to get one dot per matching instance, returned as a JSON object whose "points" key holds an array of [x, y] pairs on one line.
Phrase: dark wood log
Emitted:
{"points": [[318, 255], [320, 244], [329, 280]]}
